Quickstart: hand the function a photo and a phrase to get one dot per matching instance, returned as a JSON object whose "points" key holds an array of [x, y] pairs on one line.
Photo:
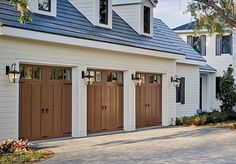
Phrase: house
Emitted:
{"points": [[219, 52], [92, 66]]}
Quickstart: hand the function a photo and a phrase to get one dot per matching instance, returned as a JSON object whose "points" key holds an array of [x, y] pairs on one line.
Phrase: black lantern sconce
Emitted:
{"points": [[137, 79], [176, 81], [13, 74], [88, 77]]}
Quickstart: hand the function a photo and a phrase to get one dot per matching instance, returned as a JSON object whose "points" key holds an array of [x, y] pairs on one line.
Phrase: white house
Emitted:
{"points": [[89, 66], [219, 52]]}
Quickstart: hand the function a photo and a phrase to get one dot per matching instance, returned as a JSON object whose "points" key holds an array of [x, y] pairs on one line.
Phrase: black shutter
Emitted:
{"points": [[218, 45], [190, 40], [182, 90], [203, 45], [231, 44]]}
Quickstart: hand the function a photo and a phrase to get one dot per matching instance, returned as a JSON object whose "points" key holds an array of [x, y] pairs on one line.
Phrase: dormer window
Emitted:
{"points": [[146, 20], [103, 12], [44, 5]]}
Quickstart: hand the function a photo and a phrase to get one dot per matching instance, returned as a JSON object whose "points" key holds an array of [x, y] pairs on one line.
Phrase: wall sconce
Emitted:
{"points": [[13, 74], [88, 78], [137, 79], [176, 81]]}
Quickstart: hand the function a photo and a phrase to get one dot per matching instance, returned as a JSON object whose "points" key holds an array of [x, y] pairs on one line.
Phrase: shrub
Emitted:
{"points": [[206, 118], [10, 146]]}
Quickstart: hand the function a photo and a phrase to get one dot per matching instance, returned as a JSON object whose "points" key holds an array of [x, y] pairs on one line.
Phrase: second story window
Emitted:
{"points": [[223, 44], [198, 43], [146, 23], [44, 5], [103, 12]]}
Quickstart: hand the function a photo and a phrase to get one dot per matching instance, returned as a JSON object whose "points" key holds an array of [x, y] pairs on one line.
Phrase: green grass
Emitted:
{"points": [[25, 156]]}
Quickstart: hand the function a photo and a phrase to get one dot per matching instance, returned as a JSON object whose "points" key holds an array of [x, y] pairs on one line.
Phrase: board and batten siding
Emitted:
{"points": [[220, 63], [37, 52], [191, 74]]}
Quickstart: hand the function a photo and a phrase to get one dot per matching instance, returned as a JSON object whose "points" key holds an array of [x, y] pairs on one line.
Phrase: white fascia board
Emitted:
{"points": [[189, 31], [40, 36], [191, 62]]}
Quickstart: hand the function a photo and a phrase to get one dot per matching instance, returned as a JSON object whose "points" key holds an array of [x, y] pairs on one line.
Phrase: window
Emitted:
{"points": [[218, 83], [198, 43], [223, 45], [103, 12], [44, 5], [180, 92], [146, 22], [29, 72], [59, 74]]}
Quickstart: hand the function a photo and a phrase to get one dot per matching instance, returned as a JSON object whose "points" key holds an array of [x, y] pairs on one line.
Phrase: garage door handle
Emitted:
{"points": [[42, 110], [47, 110]]}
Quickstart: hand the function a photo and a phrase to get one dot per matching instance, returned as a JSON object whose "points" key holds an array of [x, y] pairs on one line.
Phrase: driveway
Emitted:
{"points": [[161, 145]]}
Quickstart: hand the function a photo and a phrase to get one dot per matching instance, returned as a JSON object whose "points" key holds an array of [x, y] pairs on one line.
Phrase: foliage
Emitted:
{"points": [[12, 151], [227, 93], [10, 146], [213, 15], [206, 118], [23, 8]]}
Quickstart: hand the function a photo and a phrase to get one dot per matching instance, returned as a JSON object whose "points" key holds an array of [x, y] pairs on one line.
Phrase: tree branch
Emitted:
{"points": [[220, 11]]}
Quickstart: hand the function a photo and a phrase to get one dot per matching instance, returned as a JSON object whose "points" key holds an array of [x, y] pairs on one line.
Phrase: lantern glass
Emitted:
{"points": [[14, 77]]}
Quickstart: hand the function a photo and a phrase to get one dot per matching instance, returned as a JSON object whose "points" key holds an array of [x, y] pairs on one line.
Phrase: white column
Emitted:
{"points": [[79, 103], [165, 107], [129, 102], [210, 81]]}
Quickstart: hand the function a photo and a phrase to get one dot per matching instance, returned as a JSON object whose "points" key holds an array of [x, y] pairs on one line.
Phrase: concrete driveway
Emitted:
{"points": [[163, 145]]}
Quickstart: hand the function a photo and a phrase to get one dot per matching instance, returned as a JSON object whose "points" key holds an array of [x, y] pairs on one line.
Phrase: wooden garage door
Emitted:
{"points": [[45, 102], [148, 101], [105, 102]]}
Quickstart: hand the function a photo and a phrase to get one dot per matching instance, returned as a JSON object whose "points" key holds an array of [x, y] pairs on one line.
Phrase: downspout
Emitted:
{"points": [[1, 28]]}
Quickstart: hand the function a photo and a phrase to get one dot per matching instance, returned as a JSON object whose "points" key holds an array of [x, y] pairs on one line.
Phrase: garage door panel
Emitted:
{"points": [[66, 109]]}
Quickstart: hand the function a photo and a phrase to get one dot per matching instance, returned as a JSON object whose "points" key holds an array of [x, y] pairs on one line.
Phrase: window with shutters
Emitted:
{"points": [[218, 82], [180, 92], [223, 45], [198, 43]]}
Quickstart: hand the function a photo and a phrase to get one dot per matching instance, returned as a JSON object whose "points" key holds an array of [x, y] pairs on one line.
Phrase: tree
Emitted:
{"points": [[23, 8], [227, 93], [213, 15]]}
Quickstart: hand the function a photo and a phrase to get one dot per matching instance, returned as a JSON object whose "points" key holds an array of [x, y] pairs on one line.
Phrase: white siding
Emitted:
{"points": [[86, 7], [131, 14], [191, 74], [29, 51], [220, 63]]}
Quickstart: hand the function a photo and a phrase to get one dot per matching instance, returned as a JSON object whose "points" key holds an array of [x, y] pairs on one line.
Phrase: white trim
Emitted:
{"points": [[191, 62], [40, 36], [96, 14]]}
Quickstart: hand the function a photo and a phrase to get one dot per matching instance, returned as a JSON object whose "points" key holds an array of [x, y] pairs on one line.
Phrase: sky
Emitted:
{"points": [[172, 12]]}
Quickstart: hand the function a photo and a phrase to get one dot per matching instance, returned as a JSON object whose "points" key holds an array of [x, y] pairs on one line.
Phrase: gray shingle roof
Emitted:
{"points": [[187, 26], [207, 68], [70, 22]]}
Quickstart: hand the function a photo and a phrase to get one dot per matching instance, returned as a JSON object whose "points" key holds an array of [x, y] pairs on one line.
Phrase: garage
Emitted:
{"points": [[105, 101], [45, 102], [149, 100]]}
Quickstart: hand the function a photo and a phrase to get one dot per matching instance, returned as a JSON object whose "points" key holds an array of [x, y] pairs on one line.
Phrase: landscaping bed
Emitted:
{"points": [[214, 119], [12, 151]]}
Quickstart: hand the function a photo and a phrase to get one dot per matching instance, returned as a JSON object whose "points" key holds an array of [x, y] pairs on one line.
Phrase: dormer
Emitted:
{"points": [[98, 12], [44, 7], [137, 13]]}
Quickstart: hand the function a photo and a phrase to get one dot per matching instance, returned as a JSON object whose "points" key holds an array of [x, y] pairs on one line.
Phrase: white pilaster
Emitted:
{"points": [[79, 104], [165, 107], [129, 102]]}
